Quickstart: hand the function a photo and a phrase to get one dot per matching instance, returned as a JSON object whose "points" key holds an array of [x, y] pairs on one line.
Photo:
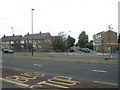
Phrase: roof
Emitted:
{"points": [[110, 31], [98, 33], [35, 36], [11, 38], [104, 32]]}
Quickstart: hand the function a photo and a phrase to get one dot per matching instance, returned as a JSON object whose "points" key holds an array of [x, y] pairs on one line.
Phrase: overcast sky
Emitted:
{"points": [[54, 16]]}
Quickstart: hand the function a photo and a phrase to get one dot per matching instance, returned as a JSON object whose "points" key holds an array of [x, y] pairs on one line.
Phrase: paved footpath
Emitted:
{"points": [[41, 80]]}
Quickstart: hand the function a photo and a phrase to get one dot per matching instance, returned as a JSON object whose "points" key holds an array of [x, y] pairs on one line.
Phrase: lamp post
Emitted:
{"points": [[12, 30], [32, 27]]}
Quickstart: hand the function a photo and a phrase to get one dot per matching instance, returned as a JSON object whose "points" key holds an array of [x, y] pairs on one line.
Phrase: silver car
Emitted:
{"points": [[8, 51]]}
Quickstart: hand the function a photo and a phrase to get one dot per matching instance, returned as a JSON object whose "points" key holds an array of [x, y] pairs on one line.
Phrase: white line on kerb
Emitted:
{"points": [[37, 65], [99, 71]]}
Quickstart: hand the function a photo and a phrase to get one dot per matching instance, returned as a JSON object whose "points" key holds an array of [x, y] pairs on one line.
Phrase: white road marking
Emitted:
{"points": [[99, 71], [37, 65]]}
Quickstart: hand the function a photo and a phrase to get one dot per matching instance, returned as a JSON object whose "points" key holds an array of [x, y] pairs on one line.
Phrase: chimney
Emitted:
{"points": [[28, 33], [13, 35], [40, 32], [4, 36]]}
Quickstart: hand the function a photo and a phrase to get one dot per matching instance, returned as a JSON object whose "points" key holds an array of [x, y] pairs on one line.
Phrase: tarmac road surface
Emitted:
{"points": [[40, 80], [90, 72]]}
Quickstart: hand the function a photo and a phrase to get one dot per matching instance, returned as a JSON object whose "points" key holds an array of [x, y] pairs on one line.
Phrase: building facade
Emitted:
{"points": [[41, 42], [11, 42], [105, 41]]}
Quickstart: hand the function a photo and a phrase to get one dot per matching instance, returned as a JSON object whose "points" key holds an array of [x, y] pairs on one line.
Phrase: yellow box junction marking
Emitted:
{"points": [[21, 79], [20, 84], [67, 82]]}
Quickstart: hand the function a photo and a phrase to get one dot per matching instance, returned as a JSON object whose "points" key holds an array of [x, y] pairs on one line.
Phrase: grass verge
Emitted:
{"points": [[88, 60]]}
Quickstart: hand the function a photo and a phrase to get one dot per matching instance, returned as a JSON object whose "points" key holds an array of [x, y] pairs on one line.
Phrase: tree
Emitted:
{"points": [[63, 35], [82, 40], [90, 45], [70, 42], [62, 42], [28, 46], [58, 43]]}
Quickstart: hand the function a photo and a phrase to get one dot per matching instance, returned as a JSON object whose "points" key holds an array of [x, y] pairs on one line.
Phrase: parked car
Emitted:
{"points": [[8, 51], [87, 50], [71, 50], [81, 49]]}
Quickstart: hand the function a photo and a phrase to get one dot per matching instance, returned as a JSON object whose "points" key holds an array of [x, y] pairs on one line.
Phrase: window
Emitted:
{"points": [[12, 42], [22, 41], [45, 40], [34, 41], [7, 42], [26, 41], [39, 46], [3, 42], [17, 42], [39, 41], [34, 46]]}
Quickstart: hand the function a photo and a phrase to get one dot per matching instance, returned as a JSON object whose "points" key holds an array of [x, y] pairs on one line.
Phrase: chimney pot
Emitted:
{"points": [[40, 32]]}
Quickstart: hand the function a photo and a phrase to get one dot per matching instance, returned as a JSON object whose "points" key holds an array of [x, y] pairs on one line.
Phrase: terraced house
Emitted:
{"points": [[41, 42], [11, 42], [105, 41]]}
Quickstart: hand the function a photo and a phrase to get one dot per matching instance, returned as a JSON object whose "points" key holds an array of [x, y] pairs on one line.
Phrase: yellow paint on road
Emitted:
{"points": [[106, 83], [20, 84], [63, 80], [50, 84]]}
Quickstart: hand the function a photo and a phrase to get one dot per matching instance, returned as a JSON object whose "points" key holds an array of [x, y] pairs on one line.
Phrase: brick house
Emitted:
{"points": [[41, 42], [105, 41], [11, 42]]}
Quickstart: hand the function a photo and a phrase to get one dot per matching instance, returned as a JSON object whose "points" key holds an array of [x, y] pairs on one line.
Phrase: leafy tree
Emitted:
{"points": [[90, 45], [82, 40], [63, 35], [58, 44], [28, 46], [70, 42], [62, 42]]}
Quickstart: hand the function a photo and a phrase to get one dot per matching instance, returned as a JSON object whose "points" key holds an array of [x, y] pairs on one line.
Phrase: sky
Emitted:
{"points": [[55, 16]]}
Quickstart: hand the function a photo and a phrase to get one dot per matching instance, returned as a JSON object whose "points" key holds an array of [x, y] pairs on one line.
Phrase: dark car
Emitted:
{"points": [[8, 51], [87, 50], [82, 49], [71, 50]]}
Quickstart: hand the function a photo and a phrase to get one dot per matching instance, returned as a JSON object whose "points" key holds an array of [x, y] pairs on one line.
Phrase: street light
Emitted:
{"points": [[32, 28], [12, 30]]}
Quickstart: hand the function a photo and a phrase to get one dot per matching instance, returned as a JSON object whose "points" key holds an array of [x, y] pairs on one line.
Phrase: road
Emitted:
{"points": [[81, 71]]}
